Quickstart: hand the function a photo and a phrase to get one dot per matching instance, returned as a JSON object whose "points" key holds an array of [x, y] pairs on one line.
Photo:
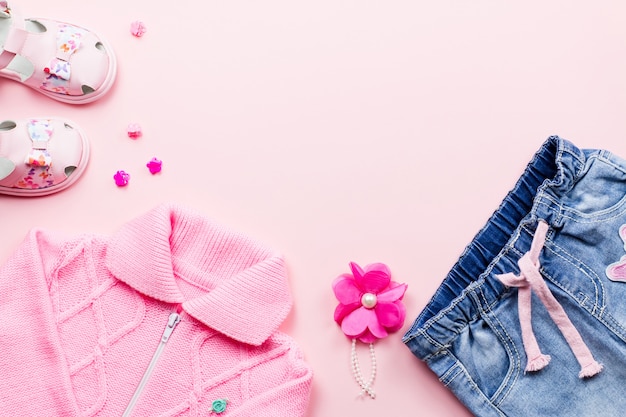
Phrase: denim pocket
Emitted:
{"points": [[488, 354], [578, 262], [600, 192]]}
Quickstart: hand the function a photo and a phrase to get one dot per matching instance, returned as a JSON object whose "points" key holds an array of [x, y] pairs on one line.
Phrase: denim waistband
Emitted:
{"points": [[469, 285]]}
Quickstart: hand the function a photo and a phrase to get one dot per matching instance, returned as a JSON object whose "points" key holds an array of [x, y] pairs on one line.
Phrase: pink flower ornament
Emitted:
{"points": [[134, 131], [121, 178], [138, 28], [370, 303], [155, 165]]}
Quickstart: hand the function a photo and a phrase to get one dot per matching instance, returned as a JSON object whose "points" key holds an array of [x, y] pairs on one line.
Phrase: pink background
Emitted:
{"points": [[334, 131]]}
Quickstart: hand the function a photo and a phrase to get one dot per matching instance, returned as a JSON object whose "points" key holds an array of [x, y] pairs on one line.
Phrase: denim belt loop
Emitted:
{"points": [[530, 280]]}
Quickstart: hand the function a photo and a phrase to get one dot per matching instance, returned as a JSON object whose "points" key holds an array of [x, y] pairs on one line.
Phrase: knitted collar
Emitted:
{"points": [[240, 288]]}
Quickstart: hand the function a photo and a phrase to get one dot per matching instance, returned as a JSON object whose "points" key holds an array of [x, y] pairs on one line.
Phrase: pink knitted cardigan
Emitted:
{"points": [[82, 318]]}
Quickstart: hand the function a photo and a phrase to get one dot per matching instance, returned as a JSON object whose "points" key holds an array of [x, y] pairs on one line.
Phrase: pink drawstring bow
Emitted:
{"points": [[530, 279]]}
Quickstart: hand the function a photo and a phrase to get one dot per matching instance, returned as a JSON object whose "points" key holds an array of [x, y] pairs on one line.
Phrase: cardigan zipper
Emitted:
{"points": [[172, 321]]}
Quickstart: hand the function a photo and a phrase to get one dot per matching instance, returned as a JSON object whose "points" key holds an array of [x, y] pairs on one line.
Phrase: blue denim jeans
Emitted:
{"points": [[471, 331]]}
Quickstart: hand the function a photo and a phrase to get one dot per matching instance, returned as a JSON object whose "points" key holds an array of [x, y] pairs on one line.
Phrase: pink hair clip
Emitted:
{"points": [[370, 307], [138, 28], [154, 165], [121, 178], [134, 131]]}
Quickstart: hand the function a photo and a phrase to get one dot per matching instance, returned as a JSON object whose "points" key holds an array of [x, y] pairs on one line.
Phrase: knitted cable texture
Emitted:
{"points": [[83, 316]]}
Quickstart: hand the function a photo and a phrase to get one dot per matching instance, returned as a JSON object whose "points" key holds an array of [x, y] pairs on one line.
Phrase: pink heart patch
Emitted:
{"points": [[622, 234], [617, 271]]}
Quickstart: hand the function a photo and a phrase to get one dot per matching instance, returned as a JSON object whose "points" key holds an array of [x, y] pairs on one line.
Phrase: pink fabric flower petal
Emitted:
{"points": [[376, 328], [367, 337], [376, 322], [389, 314], [376, 277], [346, 290], [355, 323], [342, 310], [357, 271], [394, 293], [401, 318]]}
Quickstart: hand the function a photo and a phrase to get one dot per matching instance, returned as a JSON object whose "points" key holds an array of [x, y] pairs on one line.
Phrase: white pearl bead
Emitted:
{"points": [[368, 300], [366, 387]]}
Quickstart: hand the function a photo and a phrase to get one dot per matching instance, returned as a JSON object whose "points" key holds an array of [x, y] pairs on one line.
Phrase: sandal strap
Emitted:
{"points": [[16, 36], [5, 59], [58, 70], [15, 40], [68, 40]]}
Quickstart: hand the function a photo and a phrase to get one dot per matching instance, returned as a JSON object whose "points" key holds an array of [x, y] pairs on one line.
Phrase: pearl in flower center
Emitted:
{"points": [[369, 300]]}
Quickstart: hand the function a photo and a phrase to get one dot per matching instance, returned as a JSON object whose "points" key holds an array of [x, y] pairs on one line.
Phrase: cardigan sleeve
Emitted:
{"points": [[34, 374]]}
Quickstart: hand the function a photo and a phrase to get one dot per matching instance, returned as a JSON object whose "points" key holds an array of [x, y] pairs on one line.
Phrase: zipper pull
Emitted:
{"points": [[172, 321]]}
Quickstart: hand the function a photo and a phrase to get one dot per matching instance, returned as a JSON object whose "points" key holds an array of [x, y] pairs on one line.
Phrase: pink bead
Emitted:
{"points": [[134, 131], [138, 28], [121, 178], [154, 165]]}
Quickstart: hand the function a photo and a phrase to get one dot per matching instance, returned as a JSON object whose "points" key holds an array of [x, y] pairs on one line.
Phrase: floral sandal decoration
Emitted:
{"points": [[63, 61], [370, 307], [40, 156]]}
